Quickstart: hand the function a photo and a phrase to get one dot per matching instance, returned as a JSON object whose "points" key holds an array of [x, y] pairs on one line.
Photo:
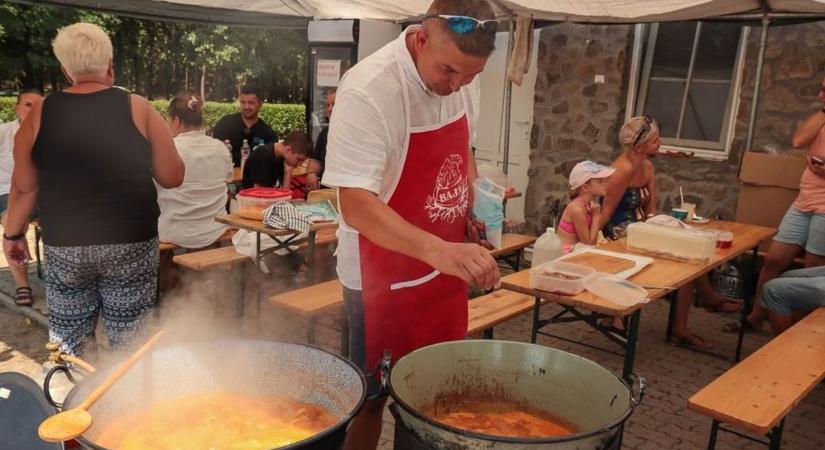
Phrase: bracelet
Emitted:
{"points": [[15, 237]]}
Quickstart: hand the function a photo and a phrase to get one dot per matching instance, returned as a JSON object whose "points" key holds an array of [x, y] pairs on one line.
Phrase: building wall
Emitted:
{"points": [[577, 119]]}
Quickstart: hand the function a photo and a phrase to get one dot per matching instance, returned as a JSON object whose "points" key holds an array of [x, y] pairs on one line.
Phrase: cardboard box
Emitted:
{"points": [[770, 184], [762, 169]]}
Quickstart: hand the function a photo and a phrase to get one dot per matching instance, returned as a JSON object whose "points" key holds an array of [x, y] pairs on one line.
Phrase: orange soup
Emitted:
{"points": [[219, 421], [501, 419]]}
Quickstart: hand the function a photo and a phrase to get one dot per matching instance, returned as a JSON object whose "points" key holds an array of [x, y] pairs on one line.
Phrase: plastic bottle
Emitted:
{"points": [[244, 153], [547, 247]]}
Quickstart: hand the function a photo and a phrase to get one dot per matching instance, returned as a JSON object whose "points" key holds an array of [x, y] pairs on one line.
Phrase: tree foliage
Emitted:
{"points": [[157, 59], [283, 118]]}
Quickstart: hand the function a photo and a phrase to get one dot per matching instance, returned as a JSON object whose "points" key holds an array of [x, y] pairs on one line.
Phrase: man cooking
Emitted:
{"points": [[399, 153]]}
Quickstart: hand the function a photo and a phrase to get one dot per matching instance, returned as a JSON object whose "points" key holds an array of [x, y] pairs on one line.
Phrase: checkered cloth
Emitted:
{"points": [[284, 215]]}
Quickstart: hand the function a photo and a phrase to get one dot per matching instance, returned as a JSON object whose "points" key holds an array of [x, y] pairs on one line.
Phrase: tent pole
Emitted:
{"points": [[508, 93], [760, 62]]}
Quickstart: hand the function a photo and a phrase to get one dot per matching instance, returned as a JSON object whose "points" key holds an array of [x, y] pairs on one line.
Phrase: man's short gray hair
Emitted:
{"points": [[83, 49]]}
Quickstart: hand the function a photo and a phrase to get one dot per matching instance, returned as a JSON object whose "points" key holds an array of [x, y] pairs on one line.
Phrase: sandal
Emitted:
{"points": [[725, 306], [733, 327], [691, 340], [23, 296]]}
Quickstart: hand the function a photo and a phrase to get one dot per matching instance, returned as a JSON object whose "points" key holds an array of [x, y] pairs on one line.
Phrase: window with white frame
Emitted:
{"points": [[688, 76]]}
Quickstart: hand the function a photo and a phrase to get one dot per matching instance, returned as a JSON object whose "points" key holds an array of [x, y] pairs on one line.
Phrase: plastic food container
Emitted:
{"points": [[615, 289], [690, 245], [559, 277], [252, 202]]}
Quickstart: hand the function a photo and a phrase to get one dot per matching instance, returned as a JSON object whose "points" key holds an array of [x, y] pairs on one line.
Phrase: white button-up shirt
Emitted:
{"points": [[372, 119]]}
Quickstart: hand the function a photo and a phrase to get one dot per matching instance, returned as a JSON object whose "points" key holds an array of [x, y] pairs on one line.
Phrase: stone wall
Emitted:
{"points": [[576, 119]]}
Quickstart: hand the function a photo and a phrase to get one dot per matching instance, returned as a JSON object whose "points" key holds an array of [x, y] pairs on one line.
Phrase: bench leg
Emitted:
{"points": [[260, 278], [535, 330], [673, 298], [311, 259], [240, 300], [217, 299], [311, 330], [714, 430], [37, 236], [345, 336], [630, 347], [775, 436], [749, 300]]}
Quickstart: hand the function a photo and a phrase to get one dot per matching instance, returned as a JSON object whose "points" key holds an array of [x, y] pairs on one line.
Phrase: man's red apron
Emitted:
{"points": [[408, 304]]}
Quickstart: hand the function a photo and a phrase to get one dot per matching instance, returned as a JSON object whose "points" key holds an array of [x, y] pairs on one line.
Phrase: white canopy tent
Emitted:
{"points": [[297, 13]]}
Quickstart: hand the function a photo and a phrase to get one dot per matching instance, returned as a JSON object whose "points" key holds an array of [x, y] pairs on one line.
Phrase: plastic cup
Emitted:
{"points": [[724, 240], [679, 213]]}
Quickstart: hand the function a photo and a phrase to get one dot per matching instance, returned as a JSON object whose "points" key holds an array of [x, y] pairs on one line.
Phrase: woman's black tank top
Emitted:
{"points": [[95, 171]]}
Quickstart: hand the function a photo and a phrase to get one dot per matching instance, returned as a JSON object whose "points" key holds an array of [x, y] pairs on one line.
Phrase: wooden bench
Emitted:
{"points": [[760, 391], [200, 261], [484, 312], [216, 258], [225, 237], [497, 307], [312, 301], [513, 244]]}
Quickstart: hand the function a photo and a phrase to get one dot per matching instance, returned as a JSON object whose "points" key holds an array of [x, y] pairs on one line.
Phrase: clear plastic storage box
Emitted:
{"points": [[253, 202], [690, 245], [559, 277]]}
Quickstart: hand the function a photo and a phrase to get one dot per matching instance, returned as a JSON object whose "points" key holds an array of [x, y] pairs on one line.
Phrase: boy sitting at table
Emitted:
{"points": [[270, 165]]}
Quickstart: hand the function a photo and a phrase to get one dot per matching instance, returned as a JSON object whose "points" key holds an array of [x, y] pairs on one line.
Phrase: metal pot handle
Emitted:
{"points": [[47, 381], [383, 368], [637, 400]]}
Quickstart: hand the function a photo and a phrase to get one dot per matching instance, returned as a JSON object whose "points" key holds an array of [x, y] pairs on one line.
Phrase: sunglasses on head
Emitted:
{"points": [[644, 130], [466, 24]]}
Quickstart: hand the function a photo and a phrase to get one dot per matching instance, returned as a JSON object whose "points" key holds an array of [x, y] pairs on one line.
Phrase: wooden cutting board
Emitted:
{"points": [[602, 263]]}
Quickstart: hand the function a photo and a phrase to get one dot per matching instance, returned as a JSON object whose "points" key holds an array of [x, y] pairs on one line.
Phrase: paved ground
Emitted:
{"points": [[661, 422]]}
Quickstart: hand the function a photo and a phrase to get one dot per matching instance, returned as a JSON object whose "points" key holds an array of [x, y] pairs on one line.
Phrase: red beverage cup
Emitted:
{"points": [[724, 240]]}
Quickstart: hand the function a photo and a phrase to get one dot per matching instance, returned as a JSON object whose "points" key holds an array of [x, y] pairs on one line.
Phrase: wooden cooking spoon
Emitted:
{"points": [[74, 422]]}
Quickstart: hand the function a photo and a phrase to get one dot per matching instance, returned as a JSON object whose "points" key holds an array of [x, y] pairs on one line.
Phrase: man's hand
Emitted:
{"points": [[313, 182], [17, 252], [470, 262]]}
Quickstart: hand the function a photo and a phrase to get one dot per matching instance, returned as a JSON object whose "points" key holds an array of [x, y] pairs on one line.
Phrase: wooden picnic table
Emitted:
{"points": [[661, 273], [285, 240]]}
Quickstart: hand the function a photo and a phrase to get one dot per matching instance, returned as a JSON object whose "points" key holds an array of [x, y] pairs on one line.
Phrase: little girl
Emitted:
{"points": [[580, 220]]}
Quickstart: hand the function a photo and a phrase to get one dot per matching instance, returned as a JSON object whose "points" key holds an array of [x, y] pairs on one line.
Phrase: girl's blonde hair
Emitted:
{"points": [[638, 130], [83, 49]]}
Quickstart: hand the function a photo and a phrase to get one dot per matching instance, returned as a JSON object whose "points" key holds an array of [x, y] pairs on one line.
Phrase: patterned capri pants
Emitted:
{"points": [[117, 280]]}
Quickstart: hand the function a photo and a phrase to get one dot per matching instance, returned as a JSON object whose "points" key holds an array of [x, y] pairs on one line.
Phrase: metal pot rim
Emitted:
{"points": [[296, 445], [516, 440]]}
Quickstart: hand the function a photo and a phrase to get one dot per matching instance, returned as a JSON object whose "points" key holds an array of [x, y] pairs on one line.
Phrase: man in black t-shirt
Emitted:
{"points": [[245, 125], [269, 165]]}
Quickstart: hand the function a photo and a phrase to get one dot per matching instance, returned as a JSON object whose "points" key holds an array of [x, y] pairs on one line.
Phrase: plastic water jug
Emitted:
{"points": [[547, 247]]}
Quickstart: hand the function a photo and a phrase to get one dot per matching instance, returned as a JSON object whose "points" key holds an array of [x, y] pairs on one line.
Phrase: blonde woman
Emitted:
{"points": [[631, 197], [87, 156]]}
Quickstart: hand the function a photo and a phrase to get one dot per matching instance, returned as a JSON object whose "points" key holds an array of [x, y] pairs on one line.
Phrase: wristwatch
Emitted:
{"points": [[15, 237]]}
